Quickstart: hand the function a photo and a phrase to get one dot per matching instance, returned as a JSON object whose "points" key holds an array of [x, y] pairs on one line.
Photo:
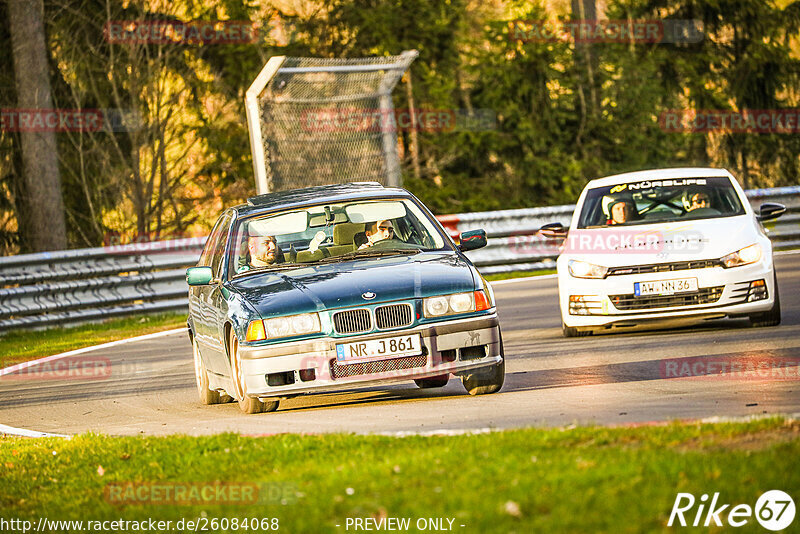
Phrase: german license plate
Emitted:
{"points": [[379, 349], [664, 287]]}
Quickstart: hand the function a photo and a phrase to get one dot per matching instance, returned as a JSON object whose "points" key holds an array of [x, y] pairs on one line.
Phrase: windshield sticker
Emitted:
{"points": [[683, 182]]}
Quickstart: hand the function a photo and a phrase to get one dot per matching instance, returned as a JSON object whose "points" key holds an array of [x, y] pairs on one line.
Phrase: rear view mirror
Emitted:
{"points": [[770, 210], [472, 240], [554, 230], [198, 276]]}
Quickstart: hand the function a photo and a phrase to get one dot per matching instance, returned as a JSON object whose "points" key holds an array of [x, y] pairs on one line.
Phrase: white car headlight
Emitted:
{"points": [[455, 303], [292, 325], [744, 256], [584, 269]]}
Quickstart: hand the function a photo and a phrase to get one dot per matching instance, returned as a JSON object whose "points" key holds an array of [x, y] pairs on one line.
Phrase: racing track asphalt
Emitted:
{"points": [[609, 379]]}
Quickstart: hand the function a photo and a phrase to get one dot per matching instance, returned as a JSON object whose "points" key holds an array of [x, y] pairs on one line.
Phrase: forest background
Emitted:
{"points": [[562, 111]]}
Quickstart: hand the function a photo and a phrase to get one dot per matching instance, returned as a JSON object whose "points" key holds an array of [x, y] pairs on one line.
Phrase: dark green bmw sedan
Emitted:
{"points": [[337, 287]]}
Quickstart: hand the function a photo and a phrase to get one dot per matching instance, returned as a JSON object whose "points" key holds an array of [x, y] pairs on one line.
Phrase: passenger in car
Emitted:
{"points": [[694, 200], [378, 231]]}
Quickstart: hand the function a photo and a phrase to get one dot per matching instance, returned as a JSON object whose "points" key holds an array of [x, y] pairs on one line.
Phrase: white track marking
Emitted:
{"points": [[24, 432], [25, 365]]}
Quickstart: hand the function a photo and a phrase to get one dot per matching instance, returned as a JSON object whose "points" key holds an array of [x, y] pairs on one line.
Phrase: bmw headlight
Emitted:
{"points": [[436, 306], [744, 256], [305, 323], [455, 304], [287, 326], [584, 269]]}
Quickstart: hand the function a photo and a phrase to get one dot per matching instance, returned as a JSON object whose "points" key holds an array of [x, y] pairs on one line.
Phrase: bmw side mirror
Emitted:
{"points": [[770, 210], [554, 230], [198, 276], [472, 240]]}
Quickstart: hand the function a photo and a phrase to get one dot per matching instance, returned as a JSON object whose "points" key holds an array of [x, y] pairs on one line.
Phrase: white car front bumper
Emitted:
{"points": [[610, 302]]}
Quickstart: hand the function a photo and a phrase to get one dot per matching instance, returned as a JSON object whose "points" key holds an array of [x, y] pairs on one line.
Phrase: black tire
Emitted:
{"points": [[247, 404], [485, 380], [432, 382], [207, 396], [771, 317], [571, 331]]}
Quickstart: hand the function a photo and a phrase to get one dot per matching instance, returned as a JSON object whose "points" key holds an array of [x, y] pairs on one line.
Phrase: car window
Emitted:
{"points": [[214, 250], [657, 201], [326, 232]]}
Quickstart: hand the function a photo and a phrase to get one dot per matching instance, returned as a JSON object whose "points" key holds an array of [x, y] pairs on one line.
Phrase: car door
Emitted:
{"points": [[206, 320], [217, 302]]}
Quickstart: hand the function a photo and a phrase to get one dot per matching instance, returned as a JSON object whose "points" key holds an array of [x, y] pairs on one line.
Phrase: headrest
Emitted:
{"points": [[343, 232]]}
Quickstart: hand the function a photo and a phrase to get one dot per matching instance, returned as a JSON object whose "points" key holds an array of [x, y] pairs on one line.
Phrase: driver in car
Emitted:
{"points": [[621, 210], [378, 231], [262, 251]]}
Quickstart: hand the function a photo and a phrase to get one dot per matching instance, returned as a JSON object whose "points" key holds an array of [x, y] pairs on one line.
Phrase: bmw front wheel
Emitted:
{"points": [[247, 404]]}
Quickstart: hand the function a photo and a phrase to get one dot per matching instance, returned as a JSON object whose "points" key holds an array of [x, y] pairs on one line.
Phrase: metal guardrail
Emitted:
{"points": [[72, 286]]}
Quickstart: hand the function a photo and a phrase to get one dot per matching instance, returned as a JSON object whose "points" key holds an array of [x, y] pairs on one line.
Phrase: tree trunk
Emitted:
{"points": [[412, 134], [42, 226], [586, 10]]}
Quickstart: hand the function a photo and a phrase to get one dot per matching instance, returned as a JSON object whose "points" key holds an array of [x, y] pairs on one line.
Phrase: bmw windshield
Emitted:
{"points": [[332, 232], [659, 201]]}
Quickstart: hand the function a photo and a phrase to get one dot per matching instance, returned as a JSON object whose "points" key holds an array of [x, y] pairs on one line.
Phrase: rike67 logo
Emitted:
{"points": [[774, 510]]}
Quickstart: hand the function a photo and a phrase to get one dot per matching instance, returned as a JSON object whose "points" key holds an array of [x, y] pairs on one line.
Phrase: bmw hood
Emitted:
{"points": [[354, 283], [665, 242]]}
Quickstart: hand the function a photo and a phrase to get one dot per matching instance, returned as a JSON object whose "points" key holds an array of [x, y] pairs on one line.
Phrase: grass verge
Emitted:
{"points": [[584, 479], [21, 346], [517, 274]]}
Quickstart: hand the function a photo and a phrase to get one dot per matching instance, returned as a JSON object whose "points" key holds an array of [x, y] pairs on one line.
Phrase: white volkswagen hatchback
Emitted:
{"points": [[662, 247]]}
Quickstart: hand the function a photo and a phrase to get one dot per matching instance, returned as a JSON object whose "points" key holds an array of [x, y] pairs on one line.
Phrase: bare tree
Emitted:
{"points": [[42, 222]]}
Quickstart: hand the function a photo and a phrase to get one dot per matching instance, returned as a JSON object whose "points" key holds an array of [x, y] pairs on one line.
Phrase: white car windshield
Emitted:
{"points": [[659, 201], [333, 232]]}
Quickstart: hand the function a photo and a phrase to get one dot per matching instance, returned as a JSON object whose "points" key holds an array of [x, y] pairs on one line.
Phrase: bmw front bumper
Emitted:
{"points": [[297, 367]]}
